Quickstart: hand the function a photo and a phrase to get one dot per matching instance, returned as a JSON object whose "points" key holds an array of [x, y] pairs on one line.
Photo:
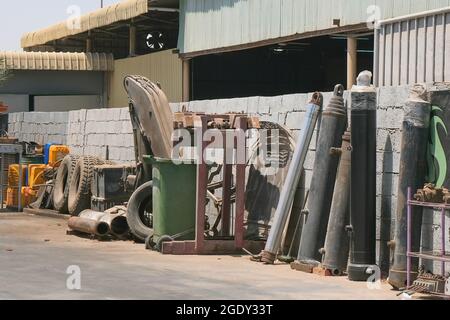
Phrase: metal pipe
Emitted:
{"points": [[117, 223], [291, 240], [363, 179], [273, 244], [89, 226], [413, 166], [352, 61], [334, 122], [336, 248]]}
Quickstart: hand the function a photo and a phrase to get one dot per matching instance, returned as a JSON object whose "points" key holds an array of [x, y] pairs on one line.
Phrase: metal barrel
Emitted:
{"points": [[88, 226], [337, 243], [333, 125], [290, 186], [413, 168], [363, 179]]}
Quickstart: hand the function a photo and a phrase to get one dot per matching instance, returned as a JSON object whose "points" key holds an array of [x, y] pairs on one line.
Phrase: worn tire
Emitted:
{"points": [[62, 182], [140, 202], [80, 185]]}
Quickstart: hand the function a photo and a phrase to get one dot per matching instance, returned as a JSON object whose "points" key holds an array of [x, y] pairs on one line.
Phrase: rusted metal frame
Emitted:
{"points": [[200, 124], [226, 187], [242, 124]]}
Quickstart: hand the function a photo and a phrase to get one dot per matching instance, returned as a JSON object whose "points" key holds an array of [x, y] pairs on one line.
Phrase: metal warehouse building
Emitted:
{"points": [[209, 49]]}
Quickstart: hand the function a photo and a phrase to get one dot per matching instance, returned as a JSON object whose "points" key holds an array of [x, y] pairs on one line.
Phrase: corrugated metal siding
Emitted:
{"points": [[413, 50], [163, 67], [70, 61], [214, 24]]}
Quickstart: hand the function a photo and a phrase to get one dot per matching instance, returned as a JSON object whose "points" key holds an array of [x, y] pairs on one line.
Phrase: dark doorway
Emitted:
{"points": [[294, 67]]}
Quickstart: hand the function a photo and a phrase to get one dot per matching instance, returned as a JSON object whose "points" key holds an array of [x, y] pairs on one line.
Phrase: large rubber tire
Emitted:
{"points": [[141, 203], [80, 185], [62, 182]]}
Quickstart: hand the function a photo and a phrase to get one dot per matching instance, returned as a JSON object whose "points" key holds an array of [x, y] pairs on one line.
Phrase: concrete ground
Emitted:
{"points": [[35, 253]]}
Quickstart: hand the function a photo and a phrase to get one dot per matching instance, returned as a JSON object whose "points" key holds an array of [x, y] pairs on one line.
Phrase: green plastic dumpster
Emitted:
{"points": [[174, 199]]}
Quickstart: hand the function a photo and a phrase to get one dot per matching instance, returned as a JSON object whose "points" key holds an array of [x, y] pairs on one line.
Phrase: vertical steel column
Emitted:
{"points": [[352, 61], [413, 166], [200, 124], [132, 44], [334, 123], [287, 194], [337, 242], [186, 80], [363, 179]]}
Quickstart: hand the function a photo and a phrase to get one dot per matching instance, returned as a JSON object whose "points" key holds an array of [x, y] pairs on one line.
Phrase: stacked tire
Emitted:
{"points": [[72, 191], [81, 184], [61, 188]]}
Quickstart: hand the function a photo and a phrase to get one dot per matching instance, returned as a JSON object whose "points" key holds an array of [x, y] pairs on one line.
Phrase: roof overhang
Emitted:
{"points": [[57, 61], [108, 23]]}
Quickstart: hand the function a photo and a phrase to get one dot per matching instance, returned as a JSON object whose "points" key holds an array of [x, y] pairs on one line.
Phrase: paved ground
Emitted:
{"points": [[35, 253]]}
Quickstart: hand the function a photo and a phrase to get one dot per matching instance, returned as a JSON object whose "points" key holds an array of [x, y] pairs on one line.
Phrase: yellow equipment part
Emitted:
{"points": [[28, 195], [36, 174], [13, 175], [56, 154]]}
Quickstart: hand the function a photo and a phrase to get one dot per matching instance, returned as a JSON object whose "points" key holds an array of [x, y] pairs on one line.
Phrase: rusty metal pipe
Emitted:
{"points": [[88, 226], [413, 167], [334, 123], [273, 245], [336, 248]]}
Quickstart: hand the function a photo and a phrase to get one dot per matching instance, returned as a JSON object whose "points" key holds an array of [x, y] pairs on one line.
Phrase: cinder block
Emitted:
{"points": [[238, 105], [310, 160], [294, 102], [270, 117], [124, 114], [175, 107], [61, 117], [127, 127], [252, 105], [393, 96], [112, 114], [266, 104], [295, 120]]}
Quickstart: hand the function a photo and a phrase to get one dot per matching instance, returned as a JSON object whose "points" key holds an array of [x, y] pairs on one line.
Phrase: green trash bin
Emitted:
{"points": [[174, 199]]}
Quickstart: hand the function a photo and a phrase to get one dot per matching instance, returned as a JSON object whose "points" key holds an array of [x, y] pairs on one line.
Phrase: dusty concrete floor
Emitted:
{"points": [[35, 253]]}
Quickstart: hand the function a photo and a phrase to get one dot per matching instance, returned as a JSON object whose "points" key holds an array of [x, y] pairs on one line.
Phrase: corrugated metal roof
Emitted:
{"points": [[71, 61], [218, 24], [118, 12]]}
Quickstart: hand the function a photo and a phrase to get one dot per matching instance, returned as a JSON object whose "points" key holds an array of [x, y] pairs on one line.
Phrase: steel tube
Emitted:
{"points": [[413, 167], [334, 122], [89, 226], [290, 186], [363, 179], [336, 248], [117, 223]]}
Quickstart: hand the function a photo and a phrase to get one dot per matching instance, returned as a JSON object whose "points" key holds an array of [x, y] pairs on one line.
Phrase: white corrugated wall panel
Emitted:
{"points": [[216, 24], [418, 50]]}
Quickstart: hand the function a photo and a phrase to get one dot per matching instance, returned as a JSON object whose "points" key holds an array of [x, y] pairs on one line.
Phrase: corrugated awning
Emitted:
{"points": [[58, 61], [118, 12]]}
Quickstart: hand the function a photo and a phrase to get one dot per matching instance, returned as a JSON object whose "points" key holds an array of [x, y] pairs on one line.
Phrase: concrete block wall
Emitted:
{"points": [[40, 127]]}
